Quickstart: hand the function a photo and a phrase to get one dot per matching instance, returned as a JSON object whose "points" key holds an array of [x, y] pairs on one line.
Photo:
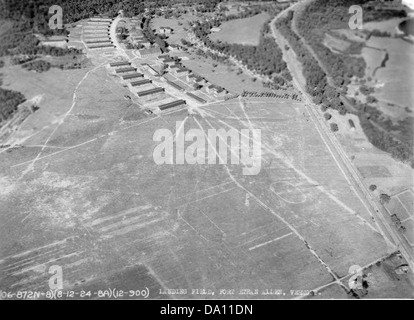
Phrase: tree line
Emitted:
{"points": [[319, 17], [266, 58]]}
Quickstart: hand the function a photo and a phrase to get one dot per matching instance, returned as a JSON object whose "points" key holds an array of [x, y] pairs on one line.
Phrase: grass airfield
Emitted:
{"points": [[94, 202]]}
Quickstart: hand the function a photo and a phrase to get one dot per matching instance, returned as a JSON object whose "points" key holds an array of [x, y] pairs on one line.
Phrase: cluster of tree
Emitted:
{"points": [[37, 12], [1, 63], [316, 79], [266, 58], [20, 59], [384, 198], [37, 65], [152, 36], [334, 127], [379, 33], [9, 100], [365, 90], [385, 140], [30, 45], [249, 94]]}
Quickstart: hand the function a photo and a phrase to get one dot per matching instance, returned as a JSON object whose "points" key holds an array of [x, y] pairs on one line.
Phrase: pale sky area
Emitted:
{"points": [[409, 3]]}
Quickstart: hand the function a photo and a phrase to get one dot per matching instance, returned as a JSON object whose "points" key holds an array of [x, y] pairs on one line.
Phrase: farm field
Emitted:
{"points": [[222, 75], [396, 77], [242, 31], [390, 25], [373, 57], [335, 44], [95, 201]]}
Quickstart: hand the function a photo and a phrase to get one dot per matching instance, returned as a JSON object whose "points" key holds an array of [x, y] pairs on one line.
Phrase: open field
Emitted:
{"points": [[223, 75], [94, 202], [373, 57], [396, 77], [335, 44], [390, 25], [84, 192], [375, 166], [242, 31]]}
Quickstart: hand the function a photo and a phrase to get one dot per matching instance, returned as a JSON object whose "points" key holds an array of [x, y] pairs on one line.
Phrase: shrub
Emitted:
{"points": [[384, 198]]}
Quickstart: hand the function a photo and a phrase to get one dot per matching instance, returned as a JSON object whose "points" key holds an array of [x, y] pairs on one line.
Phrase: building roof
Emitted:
{"points": [[171, 104], [196, 97], [120, 70], [151, 91], [173, 84], [144, 52], [140, 82], [119, 63]]}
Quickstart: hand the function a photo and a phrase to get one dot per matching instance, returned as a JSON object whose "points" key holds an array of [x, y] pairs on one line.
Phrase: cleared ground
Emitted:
{"points": [[335, 44], [242, 31], [96, 204]]}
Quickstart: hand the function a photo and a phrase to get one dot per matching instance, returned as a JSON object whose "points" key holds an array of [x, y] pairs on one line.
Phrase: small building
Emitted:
{"points": [[100, 19], [132, 76], [172, 104], [212, 89], [191, 77], [215, 29], [149, 52], [169, 61], [107, 41], [144, 43], [150, 92], [174, 47], [196, 98], [201, 81], [119, 64], [182, 71], [137, 40], [55, 43], [140, 82], [151, 70], [174, 85], [166, 30], [128, 69], [100, 46]]}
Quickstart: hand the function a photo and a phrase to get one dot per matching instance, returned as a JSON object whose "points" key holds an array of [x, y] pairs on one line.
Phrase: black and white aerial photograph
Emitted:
{"points": [[222, 151]]}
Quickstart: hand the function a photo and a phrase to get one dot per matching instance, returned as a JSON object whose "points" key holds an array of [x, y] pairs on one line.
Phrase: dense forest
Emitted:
{"points": [[316, 79], [9, 100]]}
